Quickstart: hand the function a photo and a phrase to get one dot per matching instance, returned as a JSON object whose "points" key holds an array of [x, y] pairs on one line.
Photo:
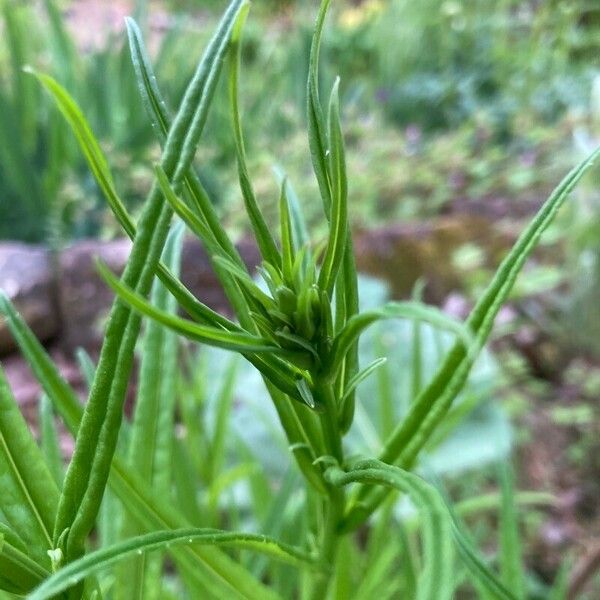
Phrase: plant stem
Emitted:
{"points": [[330, 538], [325, 395]]}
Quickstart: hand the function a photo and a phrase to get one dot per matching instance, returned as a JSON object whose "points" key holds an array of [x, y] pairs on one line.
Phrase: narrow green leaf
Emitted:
{"points": [[511, 566], [150, 446], [392, 310], [60, 393], [221, 426], [201, 229], [436, 580], [49, 442], [229, 340], [317, 137], [266, 243], [338, 220], [209, 567], [100, 559], [89, 146], [362, 375], [19, 573], [100, 170], [478, 568], [96, 441], [161, 120], [244, 279], [429, 409], [299, 227], [29, 494], [288, 250]]}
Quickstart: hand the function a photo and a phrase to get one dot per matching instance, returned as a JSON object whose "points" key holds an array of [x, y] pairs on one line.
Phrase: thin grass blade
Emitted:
{"points": [[150, 446]]}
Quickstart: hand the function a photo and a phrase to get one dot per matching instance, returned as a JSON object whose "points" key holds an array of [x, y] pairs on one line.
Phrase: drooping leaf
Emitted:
{"points": [[393, 310], [99, 559], [436, 580], [101, 171]]}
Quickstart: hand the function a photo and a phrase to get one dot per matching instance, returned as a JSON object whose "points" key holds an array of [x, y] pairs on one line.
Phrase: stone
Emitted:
{"points": [[27, 278]]}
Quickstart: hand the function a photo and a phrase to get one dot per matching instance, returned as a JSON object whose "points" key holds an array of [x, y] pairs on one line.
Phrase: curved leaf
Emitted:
{"points": [[230, 340], [266, 243], [100, 559], [434, 401], [18, 572], [149, 452], [436, 580], [317, 138], [393, 310], [210, 568], [88, 471]]}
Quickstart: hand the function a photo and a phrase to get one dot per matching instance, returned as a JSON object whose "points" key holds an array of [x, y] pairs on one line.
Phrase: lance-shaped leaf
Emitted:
{"points": [[101, 171], [393, 310], [199, 227], [89, 146], [288, 249], [49, 441], [161, 120], [19, 573], [436, 580], [100, 559], [149, 452], [434, 401], [229, 340], [29, 495], [96, 441], [317, 136], [362, 375], [338, 220], [474, 562], [266, 243], [209, 567]]}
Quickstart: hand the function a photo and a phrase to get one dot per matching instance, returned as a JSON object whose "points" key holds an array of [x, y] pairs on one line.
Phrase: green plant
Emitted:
{"points": [[44, 182], [300, 330]]}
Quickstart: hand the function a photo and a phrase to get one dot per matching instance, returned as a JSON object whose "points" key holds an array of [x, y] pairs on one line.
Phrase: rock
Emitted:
{"points": [[26, 276], [198, 276], [84, 299], [401, 254]]}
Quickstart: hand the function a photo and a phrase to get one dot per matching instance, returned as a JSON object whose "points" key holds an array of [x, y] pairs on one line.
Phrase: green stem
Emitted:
{"points": [[325, 395], [330, 540]]}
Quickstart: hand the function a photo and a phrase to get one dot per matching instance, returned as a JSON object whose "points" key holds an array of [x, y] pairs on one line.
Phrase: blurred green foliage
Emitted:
{"points": [[471, 97]]}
